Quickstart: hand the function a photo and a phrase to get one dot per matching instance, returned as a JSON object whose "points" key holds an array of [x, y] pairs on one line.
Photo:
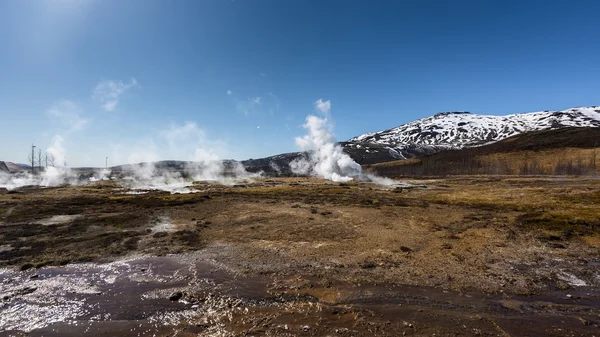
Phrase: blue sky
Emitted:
{"points": [[146, 80]]}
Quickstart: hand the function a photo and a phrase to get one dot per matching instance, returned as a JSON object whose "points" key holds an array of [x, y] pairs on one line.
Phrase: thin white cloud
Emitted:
{"points": [[274, 103], [189, 142], [250, 105], [323, 106], [186, 132], [229, 92], [69, 114], [108, 92]]}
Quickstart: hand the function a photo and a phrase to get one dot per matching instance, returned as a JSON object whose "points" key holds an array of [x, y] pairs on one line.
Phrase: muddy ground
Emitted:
{"points": [[302, 256]]}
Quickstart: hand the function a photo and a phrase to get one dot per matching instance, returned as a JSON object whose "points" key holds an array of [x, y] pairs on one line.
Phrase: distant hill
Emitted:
{"points": [[571, 151], [442, 132], [9, 167], [457, 130]]}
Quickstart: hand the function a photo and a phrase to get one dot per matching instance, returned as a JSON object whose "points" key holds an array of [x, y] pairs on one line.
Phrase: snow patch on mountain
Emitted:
{"points": [[464, 129]]}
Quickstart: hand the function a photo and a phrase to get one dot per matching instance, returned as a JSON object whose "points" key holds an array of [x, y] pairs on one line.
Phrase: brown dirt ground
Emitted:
{"points": [[500, 235]]}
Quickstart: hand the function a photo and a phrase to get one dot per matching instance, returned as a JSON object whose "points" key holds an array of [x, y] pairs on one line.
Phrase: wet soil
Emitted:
{"points": [[136, 297]]}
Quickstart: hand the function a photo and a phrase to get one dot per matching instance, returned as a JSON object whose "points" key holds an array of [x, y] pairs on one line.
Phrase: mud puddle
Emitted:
{"points": [[190, 295]]}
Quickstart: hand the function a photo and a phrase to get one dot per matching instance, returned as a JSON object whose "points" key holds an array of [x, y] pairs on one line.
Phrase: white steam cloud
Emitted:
{"points": [[57, 173], [323, 106], [326, 158], [185, 142]]}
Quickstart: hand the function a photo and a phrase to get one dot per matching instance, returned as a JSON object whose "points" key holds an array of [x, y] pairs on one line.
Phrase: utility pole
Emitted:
{"points": [[32, 159], [39, 160], [106, 163]]}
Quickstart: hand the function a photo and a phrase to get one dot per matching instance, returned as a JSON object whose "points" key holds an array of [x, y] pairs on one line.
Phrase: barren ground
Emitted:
{"points": [[299, 256]]}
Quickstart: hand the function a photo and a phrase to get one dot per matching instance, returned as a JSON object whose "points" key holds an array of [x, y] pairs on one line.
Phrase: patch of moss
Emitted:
{"points": [[569, 225]]}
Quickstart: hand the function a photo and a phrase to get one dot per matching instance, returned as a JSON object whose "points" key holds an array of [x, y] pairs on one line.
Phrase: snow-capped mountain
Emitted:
{"points": [[448, 130]]}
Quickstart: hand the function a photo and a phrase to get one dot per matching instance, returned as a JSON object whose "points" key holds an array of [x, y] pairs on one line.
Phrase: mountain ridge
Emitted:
{"points": [[460, 129]]}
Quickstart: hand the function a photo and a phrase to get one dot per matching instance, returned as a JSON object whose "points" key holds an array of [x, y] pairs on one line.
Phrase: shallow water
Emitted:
{"points": [[138, 297]]}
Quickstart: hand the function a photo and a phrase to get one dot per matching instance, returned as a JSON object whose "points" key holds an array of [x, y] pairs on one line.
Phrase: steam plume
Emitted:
{"points": [[326, 158]]}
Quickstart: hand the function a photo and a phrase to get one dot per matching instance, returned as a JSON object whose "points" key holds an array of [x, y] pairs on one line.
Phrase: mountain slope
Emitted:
{"points": [[9, 167], [564, 151], [454, 130]]}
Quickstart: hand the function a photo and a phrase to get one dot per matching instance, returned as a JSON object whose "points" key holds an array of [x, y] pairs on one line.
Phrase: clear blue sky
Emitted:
{"points": [[122, 78]]}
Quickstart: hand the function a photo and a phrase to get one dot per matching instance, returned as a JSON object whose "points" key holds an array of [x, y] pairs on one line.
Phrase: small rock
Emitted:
{"points": [[405, 249], [27, 290], [305, 328], [368, 265], [569, 296], [26, 266], [176, 296], [33, 277]]}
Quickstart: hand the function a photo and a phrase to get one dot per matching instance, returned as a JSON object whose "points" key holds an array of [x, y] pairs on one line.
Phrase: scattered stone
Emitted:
{"points": [[338, 311], [368, 265], [569, 296], [305, 328], [447, 246], [26, 266], [26, 290], [405, 249], [176, 296], [33, 277]]}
